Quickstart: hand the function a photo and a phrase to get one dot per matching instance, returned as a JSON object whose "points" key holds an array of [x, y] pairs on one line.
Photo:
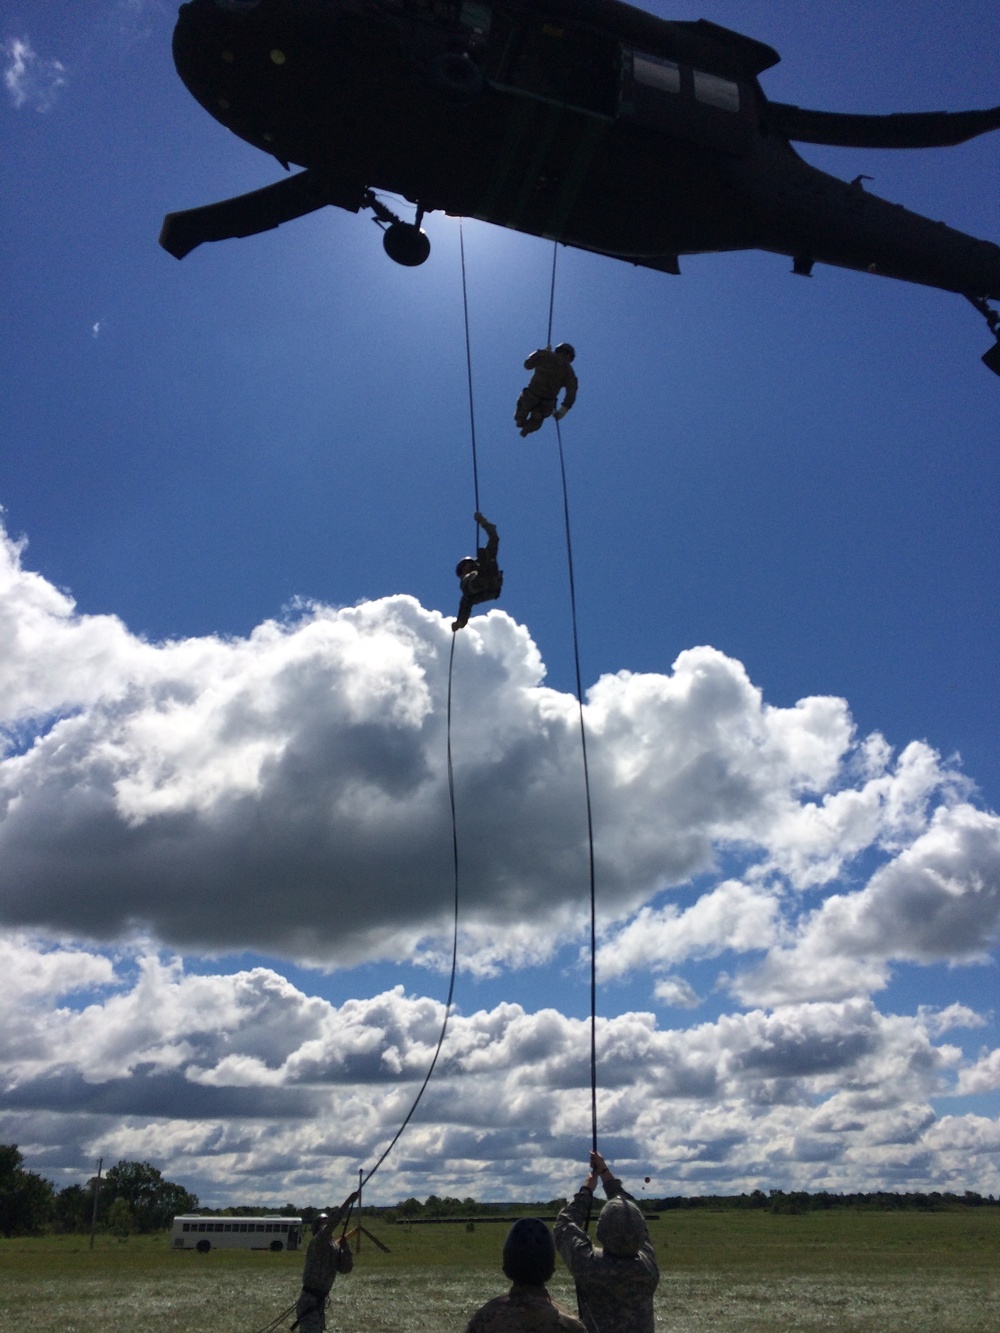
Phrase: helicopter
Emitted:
{"points": [[586, 122]]}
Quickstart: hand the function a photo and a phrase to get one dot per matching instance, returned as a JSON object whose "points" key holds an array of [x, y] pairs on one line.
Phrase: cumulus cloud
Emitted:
{"points": [[983, 1076], [231, 1079], [29, 80], [937, 900], [187, 788], [731, 916], [287, 792], [676, 993]]}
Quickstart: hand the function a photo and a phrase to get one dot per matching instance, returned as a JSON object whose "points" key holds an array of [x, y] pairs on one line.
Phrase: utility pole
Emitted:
{"points": [[357, 1243], [93, 1212]]}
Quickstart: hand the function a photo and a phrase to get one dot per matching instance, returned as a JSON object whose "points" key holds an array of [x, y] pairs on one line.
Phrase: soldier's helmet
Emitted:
{"points": [[565, 349], [621, 1228], [529, 1252], [466, 565]]}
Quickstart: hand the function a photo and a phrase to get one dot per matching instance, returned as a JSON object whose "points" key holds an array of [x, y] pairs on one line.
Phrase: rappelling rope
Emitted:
{"points": [[583, 750], [451, 769], [454, 938], [269, 1328], [364, 1179], [552, 293], [468, 367], [590, 813]]}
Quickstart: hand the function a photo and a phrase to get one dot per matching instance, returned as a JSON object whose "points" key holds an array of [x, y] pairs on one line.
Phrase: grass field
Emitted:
{"points": [[728, 1272]]}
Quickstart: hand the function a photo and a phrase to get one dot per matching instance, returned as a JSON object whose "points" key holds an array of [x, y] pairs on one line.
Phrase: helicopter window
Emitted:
{"points": [[476, 17], [438, 11], [715, 91], [557, 63], [655, 73]]}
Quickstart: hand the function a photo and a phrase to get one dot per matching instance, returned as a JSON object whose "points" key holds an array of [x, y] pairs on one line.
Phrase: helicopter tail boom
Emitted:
{"points": [[924, 129]]}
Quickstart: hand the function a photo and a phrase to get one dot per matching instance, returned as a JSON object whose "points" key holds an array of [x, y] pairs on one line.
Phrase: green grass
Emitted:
{"points": [[725, 1272]]}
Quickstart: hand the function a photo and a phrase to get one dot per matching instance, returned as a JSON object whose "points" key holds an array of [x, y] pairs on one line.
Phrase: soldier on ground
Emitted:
{"points": [[614, 1283], [552, 373], [529, 1259], [325, 1258]]}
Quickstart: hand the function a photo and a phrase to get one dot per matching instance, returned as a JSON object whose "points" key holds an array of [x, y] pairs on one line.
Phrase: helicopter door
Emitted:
{"points": [[685, 103], [555, 62]]}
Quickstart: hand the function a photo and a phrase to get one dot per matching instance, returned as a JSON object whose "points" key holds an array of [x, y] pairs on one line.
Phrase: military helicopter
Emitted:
{"points": [[587, 122]]}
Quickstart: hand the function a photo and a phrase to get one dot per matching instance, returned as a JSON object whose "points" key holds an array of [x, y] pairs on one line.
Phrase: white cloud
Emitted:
{"points": [[732, 916], [189, 789], [287, 792], [243, 1083], [937, 900], [938, 1021], [983, 1076], [29, 80], [31, 973], [676, 993]]}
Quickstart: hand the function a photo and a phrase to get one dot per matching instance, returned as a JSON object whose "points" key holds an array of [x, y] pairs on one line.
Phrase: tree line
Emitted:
{"points": [[133, 1196], [801, 1201]]}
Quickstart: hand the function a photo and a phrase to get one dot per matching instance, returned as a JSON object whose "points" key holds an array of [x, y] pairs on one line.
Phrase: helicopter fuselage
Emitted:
{"points": [[588, 122]]}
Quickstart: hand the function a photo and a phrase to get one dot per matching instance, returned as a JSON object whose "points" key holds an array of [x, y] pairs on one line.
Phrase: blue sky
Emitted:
{"points": [[781, 489]]}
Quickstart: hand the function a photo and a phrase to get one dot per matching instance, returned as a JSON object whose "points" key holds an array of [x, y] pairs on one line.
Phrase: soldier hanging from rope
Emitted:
{"points": [[480, 579], [325, 1258], [552, 372]]}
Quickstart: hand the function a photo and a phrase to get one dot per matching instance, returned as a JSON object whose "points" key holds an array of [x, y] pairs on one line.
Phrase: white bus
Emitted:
{"points": [[235, 1233]]}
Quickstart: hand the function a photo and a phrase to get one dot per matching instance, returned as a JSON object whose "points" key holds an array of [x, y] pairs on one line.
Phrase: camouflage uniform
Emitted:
{"points": [[484, 581], [523, 1310], [325, 1258], [538, 399], [614, 1294]]}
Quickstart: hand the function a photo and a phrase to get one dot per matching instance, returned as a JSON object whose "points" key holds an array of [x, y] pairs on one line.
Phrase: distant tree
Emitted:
{"points": [[152, 1201], [26, 1199], [72, 1208], [121, 1223], [410, 1208]]}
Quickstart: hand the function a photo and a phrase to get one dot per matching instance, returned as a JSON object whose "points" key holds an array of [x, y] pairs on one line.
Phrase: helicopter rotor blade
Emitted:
{"points": [[244, 215], [921, 129]]}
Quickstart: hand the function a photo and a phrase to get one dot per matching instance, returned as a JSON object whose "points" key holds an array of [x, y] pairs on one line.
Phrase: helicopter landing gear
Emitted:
{"points": [[456, 77], [991, 359], [405, 243]]}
